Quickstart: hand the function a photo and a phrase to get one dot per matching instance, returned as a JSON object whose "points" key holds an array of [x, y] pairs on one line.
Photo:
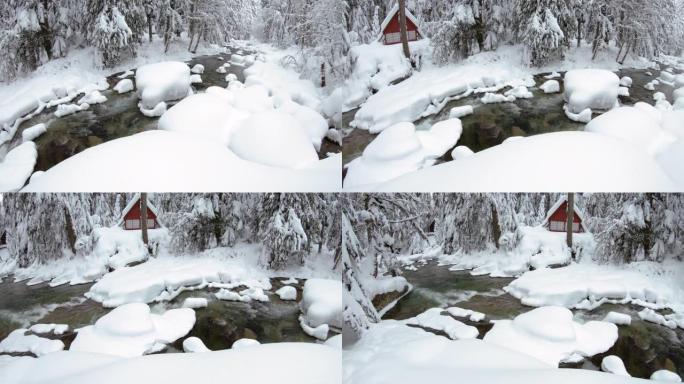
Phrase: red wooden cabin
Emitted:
{"points": [[391, 31], [556, 219], [131, 215]]}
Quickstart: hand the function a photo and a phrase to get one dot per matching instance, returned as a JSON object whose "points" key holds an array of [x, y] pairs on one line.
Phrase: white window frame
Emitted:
{"points": [[393, 37], [556, 225], [133, 224]]}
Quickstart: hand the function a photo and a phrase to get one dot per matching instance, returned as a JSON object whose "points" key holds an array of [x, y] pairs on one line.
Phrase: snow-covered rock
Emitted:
{"points": [[287, 293], [647, 314], [590, 88], [131, 330], [320, 332], [550, 86], [433, 319], [493, 98], [157, 111], [461, 152], [194, 345], [309, 120], [197, 69], [124, 86], [164, 81], [57, 329], [623, 91], [469, 313], [550, 335], [33, 132], [626, 81], [17, 166], [441, 137], [666, 376], [613, 364], [70, 109], [322, 302], [618, 318], [195, 302], [94, 97], [519, 92], [458, 112], [195, 79], [582, 117], [19, 342], [244, 343]]}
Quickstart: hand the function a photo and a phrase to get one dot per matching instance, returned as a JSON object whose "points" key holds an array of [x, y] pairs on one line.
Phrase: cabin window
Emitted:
{"points": [[133, 223], [557, 225], [392, 38], [150, 223], [575, 227], [411, 35]]}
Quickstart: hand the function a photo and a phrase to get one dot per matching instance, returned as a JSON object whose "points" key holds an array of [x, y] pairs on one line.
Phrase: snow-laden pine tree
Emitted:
{"points": [[543, 27], [114, 27]]}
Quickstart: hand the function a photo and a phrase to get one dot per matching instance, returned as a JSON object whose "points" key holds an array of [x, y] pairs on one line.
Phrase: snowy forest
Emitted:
{"points": [[546, 28], [290, 226]]}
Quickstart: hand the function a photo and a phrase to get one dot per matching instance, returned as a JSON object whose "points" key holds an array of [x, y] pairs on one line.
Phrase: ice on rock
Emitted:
{"points": [[618, 318], [33, 132], [17, 166], [19, 342], [287, 293], [458, 112], [131, 330], [613, 364], [194, 345], [57, 329], [195, 302], [70, 109], [550, 335], [441, 137], [461, 152], [124, 86], [163, 81], [273, 138], [322, 302], [204, 115], [244, 343], [433, 319], [157, 111], [550, 86], [626, 81], [197, 69], [469, 313], [590, 88], [94, 97], [664, 375]]}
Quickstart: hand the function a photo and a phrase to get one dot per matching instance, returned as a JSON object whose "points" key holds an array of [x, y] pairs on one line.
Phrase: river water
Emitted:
{"points": [[644, 347]]}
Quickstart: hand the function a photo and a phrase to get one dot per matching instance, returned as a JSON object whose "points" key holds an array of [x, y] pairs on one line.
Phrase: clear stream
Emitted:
{"points": [[644, 347]]}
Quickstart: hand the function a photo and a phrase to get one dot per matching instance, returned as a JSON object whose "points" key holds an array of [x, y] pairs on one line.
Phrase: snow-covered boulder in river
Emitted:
{"points": [[590, 88], [163, 81]]}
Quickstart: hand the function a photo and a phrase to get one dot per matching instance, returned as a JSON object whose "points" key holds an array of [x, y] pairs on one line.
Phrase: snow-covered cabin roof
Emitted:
{"points": [[393, 12], [557, 205], [131, 204]]}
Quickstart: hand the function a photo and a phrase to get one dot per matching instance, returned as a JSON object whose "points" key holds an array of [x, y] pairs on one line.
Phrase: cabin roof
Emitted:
{"points": [[391, 15], [557, 205], [131, 204]]}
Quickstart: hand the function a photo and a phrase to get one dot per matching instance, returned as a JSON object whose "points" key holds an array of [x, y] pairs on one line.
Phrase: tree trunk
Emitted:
{"points": [[569, 221], [46, 35], [149, 26], [402, 26], [143, 220]]}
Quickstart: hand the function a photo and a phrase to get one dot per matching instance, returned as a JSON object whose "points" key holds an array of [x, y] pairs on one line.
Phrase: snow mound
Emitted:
{"points": [[157, 111], [461, 152], [550, 335], [613, 364], [493, 98], [57, 329], [17, 167], [18, 342], [582, 117], [666, 376], [70, 109], [590, 88], [94, 97], [441, 137], [121, 247], [626, 81], [131, 330], [273, 138], [163, 81], [550, 86], [519, 92], [469, 313], [652, 316], [618, 318], [322, 302], [124, 86], [197, 69], [194, 345], [244, 343], [287, 293], [195, 302], [33, 132], [433, 319], [309, 120], [458, 112]]}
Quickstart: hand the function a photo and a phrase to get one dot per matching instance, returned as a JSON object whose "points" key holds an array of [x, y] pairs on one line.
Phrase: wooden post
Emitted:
{"points": [[402, 26], [322, 74], [143, 220], [569, 221]]}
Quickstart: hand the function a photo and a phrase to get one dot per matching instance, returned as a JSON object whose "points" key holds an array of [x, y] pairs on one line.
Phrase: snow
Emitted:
{"points": [[590, 88], [70, 109], [273, 138], [582, 117], [18, 342], [131, 330], [33, 132], [309, 120], [623, 91], [441, 137], [458, 112], [519, 92], [195, 302], [629, 168], [197, 69], [287, 363], [322, 302], [157, 111], [178, 163], [433, 319], [666, 376], [320, 332], [469, 313], [652, 316], [57, 329], [287, 293], [618, 318], [282, 82], [17, 166], [550, 86], [195, 79], [164, 81], [626, 81], [94, 97], [124, 86], [493, 98], [461, 152], [550, 335], [194, 345], [244, 343], [120, 247], [613, 364]]}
